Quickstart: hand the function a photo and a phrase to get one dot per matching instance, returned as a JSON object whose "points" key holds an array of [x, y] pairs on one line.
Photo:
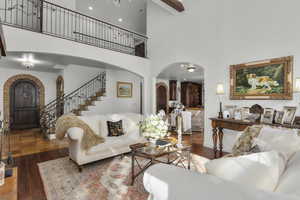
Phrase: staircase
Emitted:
{"points": [[75, 102]]}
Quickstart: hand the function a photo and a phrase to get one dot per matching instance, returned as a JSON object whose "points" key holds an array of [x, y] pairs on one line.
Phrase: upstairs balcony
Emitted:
{"points": [[51, 19]]}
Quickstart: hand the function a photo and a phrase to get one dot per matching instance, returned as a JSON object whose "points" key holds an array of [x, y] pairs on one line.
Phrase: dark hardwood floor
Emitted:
{"points": [[30, 186]]}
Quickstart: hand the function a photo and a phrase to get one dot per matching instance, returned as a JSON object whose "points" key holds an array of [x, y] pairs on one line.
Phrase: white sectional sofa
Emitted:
{"points": [[112, 146], [272, 174], [165, 182]]}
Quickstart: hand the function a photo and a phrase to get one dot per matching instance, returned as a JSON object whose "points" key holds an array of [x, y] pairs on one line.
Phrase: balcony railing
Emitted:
{"points": [[51, 19]]}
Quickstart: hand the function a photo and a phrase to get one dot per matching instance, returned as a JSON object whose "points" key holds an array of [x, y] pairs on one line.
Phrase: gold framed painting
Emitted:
{"points": [[124, 89], [262, 80]]}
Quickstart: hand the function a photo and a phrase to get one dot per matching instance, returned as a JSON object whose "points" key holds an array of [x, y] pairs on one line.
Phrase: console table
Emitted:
{"points": [[237, 125]]}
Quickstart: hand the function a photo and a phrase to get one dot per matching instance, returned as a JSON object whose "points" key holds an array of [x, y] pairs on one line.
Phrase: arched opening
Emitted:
{"points": [[24, 96], [24, 101], [162, 98], [185, 83]]}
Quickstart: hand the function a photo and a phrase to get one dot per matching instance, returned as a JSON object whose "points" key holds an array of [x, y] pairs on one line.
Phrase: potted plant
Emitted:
{"points": [[154, 128]]}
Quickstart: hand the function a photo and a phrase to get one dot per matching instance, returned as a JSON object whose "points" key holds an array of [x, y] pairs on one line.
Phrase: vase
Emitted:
{"points": [[152, 141], [2, 173]]}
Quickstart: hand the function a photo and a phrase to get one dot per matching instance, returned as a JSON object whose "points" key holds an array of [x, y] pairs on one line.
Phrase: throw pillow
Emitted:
{"points": [[115, 129], [283, 140], [244, 143], [259, 170]]}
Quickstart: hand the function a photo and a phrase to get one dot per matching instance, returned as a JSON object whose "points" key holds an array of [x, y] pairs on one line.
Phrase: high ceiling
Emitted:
{"points": [[132, 12], [177, 72]]}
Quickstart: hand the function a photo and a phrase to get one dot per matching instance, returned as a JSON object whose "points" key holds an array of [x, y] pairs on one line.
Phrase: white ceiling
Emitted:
{"points": [[48, 62], [133, 12], [176, 72]]}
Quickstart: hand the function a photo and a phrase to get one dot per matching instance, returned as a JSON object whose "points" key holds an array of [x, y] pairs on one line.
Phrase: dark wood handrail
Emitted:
{"points": [[76, 32], [124, 29], [70, 94]]}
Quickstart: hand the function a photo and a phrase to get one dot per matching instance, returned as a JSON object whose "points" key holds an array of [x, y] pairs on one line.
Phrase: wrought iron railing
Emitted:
{"points": [[71, 102], [48, 18]]}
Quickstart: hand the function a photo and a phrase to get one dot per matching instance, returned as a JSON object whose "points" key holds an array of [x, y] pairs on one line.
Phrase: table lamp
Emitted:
{"points": [[297, 86], [220, 92]]}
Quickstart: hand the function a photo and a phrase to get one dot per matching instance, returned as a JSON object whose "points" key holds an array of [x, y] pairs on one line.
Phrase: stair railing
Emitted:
{"points": [[52, 19], [71, 102]]}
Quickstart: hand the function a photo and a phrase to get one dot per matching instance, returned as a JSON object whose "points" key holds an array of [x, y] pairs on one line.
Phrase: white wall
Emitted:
{"points": [[75, 76], [133, 18], [48, 79], [111, 103], [257, 30], [70, 4], [22, 41], [187, 37], [216, 34]]}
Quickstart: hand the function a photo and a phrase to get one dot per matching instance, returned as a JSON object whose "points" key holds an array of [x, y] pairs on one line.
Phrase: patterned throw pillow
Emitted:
{"points": [[244, 143], [115, 129]]}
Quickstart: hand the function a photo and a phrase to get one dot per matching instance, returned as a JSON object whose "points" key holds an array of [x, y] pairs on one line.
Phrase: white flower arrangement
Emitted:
{"points": [[154, 127]]}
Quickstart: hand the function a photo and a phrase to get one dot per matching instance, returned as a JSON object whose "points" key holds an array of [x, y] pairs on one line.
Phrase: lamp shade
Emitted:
{"points": [[297, 85], [220, 89]]}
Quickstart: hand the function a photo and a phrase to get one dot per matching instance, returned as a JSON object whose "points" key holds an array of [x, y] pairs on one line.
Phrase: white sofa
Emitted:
{"points": [[165, 182], [112, 146]]}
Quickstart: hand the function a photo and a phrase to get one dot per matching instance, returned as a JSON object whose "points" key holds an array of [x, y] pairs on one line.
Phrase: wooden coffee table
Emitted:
{"points": [[172, 154]]}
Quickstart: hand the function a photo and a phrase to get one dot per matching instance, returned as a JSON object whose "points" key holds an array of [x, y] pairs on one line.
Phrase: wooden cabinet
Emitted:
{"points": [[173, 90], [191, 94]]}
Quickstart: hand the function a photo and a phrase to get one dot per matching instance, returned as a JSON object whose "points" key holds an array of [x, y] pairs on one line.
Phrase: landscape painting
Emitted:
{"points": [[269, 79], [124, 89]]}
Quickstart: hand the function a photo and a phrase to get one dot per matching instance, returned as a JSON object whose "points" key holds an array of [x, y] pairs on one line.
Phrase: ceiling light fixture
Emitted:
{"points": [[120, 19], [191, 68], [91, 8], [28, 61]]}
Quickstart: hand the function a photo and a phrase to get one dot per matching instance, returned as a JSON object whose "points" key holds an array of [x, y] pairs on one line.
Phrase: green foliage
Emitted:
{"points": [[275, 72]]}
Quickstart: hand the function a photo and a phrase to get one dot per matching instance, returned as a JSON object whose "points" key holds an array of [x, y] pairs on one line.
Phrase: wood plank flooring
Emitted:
{"points": [[30, 186], [28, 142]]}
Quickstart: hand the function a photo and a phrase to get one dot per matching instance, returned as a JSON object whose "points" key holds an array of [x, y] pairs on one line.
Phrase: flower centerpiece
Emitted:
{"points": [[154, 128]]}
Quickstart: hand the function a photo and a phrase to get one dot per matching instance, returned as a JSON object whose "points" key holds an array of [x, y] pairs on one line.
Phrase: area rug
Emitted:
{"points": [[104, 180]]}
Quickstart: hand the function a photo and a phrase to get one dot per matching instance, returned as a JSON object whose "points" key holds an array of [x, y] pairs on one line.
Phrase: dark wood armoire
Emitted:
{"points": [[173, 90], [191, 94]]}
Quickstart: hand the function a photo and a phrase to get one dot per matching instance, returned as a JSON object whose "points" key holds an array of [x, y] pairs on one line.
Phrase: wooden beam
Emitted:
{"points": [[176, 4], [2, 42]]}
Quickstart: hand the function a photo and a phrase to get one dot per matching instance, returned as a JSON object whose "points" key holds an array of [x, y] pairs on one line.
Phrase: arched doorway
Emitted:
{"points": [[24, 97], [162, 97], [24, 105], [187, 92]]}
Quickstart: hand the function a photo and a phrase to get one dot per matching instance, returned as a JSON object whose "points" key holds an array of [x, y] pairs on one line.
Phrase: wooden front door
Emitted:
{"points": [[24, 103], [161, 98]]}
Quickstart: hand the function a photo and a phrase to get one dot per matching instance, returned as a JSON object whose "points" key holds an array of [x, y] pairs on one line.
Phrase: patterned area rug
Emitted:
{"points": [[104, 180]]}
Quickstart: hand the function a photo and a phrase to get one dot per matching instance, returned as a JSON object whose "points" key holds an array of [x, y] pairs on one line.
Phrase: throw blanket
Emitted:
{"points": [[89, 139]]}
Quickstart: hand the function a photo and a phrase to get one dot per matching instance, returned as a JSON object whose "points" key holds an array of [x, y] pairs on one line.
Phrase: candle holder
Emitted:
{"points": [[179, 122]]}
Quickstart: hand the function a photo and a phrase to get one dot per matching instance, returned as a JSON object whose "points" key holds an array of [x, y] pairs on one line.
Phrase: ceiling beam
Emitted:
{"points": [[2, 42], [176, 4]]}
